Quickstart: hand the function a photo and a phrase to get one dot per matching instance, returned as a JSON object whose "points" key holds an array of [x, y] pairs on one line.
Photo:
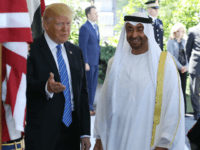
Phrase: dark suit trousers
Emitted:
{"points": [[92, 78], [69, 138], [183, 77], [195, 92], [194, 136]]}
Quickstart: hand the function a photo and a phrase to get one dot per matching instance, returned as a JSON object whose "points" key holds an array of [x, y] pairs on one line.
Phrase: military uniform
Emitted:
{"points": [[157, 23], [158, 32]]}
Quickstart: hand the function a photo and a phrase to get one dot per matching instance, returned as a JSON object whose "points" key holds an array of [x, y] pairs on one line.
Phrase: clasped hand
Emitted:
{"points": [[183, 69], [54, 87]]}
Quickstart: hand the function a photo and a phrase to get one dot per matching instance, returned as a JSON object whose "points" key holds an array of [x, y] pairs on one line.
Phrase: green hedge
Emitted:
{"points": [[107, 52]]}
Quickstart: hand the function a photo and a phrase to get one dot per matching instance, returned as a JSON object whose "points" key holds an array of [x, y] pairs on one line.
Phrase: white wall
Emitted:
{"points": [[106, 18], [48, 2]]}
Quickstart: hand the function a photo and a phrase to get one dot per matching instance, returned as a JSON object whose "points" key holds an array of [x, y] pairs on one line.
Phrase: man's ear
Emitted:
{"points": [[148, 10], [88, 16], [45, 25]]}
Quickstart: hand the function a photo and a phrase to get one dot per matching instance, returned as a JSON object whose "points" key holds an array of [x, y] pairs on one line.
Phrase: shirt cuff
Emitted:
{"points": [[49, 95], [97, 137], [85, 136]]}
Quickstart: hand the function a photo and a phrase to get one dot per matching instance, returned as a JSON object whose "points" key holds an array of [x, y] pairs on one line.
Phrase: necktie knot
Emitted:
{"points": [[58, 48], [96, 26]]}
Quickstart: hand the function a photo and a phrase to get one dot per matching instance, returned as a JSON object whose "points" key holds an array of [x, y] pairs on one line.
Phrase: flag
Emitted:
{"points": [[36, 9], [15, 33]]}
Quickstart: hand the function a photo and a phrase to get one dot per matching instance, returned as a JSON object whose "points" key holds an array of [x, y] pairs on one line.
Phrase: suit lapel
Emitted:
{"points": [[69, 55], [72, 64], [92, 29], [49, 58]]}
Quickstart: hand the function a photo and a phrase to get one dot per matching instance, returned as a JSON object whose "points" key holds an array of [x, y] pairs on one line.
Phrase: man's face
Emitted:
{"points": [[135, 36], [93, 15], [153, 12], [58, 29]]}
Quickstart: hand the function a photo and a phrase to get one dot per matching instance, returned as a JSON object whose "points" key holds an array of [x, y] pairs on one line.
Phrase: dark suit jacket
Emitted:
{"points": [[89, 44], [193, 49], [194, 134], [158, 32], [44, 117]]}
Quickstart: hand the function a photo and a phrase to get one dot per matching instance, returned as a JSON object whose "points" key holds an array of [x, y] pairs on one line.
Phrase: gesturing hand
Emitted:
{"points": [[54, 87]]}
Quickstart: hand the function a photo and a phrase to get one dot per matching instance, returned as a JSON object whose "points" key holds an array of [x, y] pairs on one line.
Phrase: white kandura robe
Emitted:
{"points": [[130, 127]]}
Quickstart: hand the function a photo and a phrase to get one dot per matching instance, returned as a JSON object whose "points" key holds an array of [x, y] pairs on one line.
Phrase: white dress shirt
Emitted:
{"points": [[52, 46]]}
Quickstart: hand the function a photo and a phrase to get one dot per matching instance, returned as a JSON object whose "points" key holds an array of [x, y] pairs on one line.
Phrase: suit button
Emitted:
{"points": [[157, 30], [157, 34], [158, 39]]}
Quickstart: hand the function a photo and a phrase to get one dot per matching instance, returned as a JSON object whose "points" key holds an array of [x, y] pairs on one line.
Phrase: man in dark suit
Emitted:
{"points": [[194, 136], [152, 8], [89, 43], [193, 55], [57, 99]]}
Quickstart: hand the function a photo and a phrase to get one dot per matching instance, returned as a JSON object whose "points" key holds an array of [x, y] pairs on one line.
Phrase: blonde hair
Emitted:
{"points": [[58, 9], [175, 28]]}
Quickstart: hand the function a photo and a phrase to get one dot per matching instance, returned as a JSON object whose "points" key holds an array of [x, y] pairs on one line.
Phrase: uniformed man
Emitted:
{"points": [[152, 8]]}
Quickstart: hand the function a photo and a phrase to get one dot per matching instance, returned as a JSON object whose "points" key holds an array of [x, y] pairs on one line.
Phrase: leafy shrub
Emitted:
{"points": [[107, 52]]}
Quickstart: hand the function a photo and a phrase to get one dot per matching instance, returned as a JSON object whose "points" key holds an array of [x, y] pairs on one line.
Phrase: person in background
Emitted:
{"points": [[176, 46], [152, 8], [89, 38], [193, 56]]}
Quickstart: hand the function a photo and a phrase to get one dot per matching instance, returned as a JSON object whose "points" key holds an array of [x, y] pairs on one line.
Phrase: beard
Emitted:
{"points": [[139, 46]]}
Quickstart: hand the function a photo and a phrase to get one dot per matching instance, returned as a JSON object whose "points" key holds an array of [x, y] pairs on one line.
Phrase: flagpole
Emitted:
{"points": [[0, 95]]}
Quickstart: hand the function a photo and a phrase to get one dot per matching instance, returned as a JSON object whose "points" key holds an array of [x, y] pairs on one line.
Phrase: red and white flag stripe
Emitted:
{"points": [[11, 20], [13, 89], [15, 22], [15, 32]]}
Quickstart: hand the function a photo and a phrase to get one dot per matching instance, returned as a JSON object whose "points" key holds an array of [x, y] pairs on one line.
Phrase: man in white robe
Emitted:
{"points": [[126, 108]]}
